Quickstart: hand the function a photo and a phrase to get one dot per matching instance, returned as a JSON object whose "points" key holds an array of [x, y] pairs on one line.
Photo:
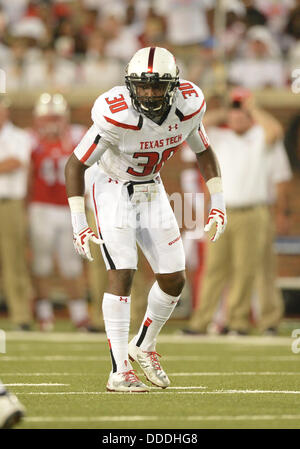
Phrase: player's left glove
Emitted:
{"points": [[217, 215], [81, 242]]}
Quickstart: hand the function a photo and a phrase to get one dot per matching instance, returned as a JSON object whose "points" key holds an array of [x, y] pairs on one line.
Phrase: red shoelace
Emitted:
{"points": [[130, 376], [154, 360]]}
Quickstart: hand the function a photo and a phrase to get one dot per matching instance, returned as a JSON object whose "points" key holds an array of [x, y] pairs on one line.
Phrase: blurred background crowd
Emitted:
{"points": [[79, 48], [63, 43]]}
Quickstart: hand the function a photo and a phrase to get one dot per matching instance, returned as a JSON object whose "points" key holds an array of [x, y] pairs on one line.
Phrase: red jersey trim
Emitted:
{"points": [[122, 125], [183, 118], [205, 143], [96, 210], [88, 153], [90, 150]]}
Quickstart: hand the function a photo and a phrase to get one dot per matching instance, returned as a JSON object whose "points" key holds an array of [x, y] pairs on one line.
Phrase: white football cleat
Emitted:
{"points": [[148, 361], [11, 410], [126, 382]]}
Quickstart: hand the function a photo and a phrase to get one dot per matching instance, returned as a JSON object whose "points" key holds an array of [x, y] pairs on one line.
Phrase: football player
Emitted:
{"points": [[50, 226], [136, 129]]}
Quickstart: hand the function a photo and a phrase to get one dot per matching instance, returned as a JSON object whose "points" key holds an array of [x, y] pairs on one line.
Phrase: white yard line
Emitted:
{"points": [[39, 419], [237, 373], [54, 358], [170, 358], [271, 358], [193, 374], [166, 392], [88, 358], [69, 337], [37, 385], [180, 388]]}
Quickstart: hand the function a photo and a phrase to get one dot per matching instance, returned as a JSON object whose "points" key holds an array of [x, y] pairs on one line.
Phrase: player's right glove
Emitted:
{"points": [[217, 215], [81, 242]]}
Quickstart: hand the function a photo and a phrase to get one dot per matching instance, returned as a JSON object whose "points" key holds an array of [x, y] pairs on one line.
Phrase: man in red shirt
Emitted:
{"points": [[50, 226]]}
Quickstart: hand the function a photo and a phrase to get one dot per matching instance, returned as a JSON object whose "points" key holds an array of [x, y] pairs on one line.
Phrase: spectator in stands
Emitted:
{"points": [[122, 43], [187, 25], [14, 10], [53, 71], [276, 12], [15, 149], [98, 70], [253, 15], [154, 32], [260, 66], [235, 28], [292, 30], [241, 148]]}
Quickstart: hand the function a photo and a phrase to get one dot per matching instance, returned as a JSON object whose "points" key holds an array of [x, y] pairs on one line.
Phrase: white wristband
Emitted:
{"points": [[214, 185], [76, 204], [78, 216]]}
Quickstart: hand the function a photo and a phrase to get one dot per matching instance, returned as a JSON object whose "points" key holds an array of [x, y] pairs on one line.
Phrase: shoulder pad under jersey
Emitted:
{"points": [[113, 113], [189, 101]]}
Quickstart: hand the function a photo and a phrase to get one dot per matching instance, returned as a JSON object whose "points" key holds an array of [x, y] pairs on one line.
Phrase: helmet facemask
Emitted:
{"points": [[151, 94]]}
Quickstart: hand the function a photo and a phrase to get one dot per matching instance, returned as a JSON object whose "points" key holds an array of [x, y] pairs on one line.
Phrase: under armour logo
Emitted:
{"points": [[171, 127], [123, 299]]}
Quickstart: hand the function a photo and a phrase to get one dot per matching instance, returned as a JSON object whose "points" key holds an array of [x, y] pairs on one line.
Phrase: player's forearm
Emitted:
{"points": [[9, 165], [208, 164], [74, 175], [211, 173]]}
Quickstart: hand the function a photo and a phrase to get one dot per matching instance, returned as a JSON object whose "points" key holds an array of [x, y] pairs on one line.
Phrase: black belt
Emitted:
{"points": [[130, 185]]}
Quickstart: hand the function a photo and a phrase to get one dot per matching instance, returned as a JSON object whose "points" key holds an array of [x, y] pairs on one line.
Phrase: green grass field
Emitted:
{"points": [[217, 382]]}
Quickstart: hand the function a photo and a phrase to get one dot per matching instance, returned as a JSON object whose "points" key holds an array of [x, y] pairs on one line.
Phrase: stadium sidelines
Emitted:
{"points": [[72, 337]]}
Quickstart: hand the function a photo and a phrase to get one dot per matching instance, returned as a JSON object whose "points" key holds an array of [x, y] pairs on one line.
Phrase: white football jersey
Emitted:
{"points": [[129, 146]]}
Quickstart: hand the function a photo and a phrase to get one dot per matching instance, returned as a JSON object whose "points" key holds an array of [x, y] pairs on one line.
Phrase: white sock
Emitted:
{"points": [[44, 310], [116, 315], [159, 310], [78, 311]]}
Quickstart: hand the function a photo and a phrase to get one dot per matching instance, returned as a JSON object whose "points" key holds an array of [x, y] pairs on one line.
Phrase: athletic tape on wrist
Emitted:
{"points": [[214, 185], [76, 204]]}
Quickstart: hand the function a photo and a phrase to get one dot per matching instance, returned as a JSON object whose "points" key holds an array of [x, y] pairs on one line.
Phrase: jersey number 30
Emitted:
{"points": [[117, 104], [152, 165]]}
